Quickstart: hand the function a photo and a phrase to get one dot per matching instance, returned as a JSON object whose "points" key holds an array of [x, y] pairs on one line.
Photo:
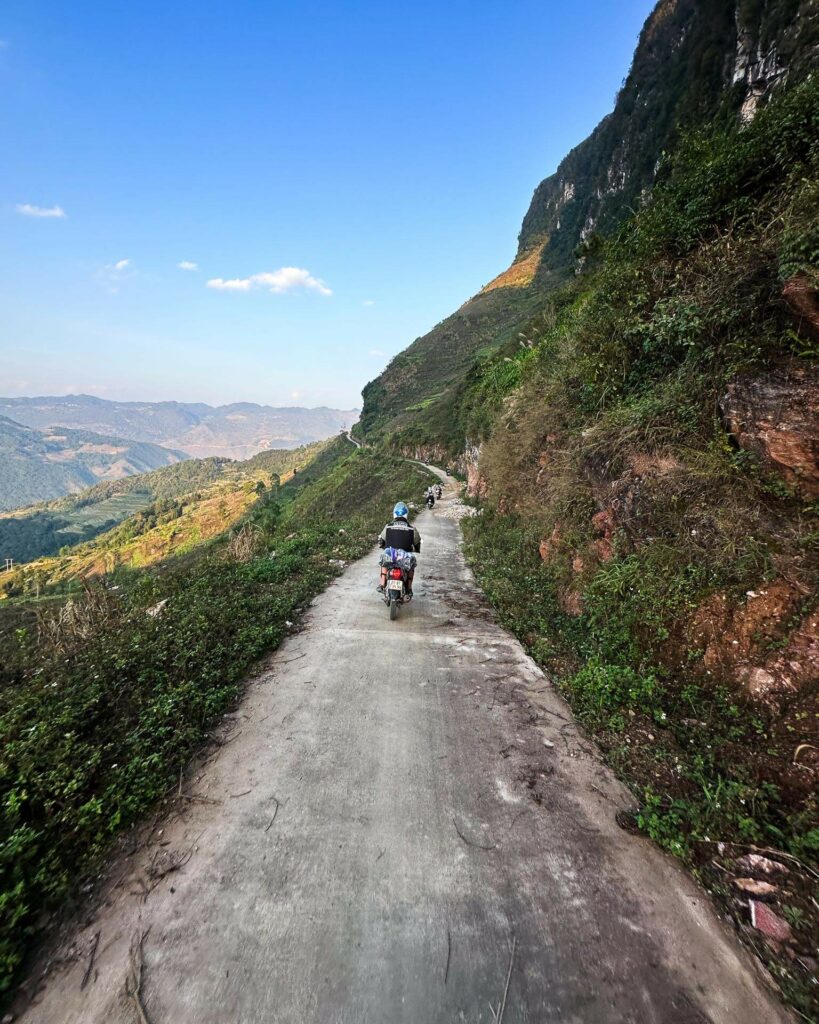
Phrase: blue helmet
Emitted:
{"points": [[400, 511]]}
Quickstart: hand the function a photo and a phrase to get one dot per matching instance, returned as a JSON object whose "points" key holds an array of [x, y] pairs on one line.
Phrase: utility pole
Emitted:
{"points": [[9, 565]]}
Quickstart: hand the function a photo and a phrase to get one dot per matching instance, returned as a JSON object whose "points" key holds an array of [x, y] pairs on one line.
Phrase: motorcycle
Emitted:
{"points": [[430, 500], [438, 492], [398, 564], [395, 590]]}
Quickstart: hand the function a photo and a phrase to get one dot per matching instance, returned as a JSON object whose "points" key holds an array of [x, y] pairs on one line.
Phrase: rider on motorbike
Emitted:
{"points": [[400, 534]]}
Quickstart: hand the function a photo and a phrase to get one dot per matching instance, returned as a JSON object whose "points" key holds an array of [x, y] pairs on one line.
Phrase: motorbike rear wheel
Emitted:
{"points": [[393, 607]]}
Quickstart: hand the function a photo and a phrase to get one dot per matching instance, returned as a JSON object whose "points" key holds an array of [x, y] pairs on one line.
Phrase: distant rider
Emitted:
{"points": [[400, 534]]}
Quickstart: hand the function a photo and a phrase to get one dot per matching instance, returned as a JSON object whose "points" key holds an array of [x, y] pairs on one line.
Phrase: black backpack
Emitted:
{"points": [[401, 536]]}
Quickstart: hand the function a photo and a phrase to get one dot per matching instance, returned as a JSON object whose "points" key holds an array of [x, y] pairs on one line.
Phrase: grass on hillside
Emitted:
{"points": [[101, 703], [43, 529], [166, 513], [608, 405], [434, 364]]}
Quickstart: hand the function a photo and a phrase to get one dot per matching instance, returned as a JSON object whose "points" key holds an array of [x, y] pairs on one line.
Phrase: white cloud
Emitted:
{"points": [[368, 302], [29, 210], [187, 265], [235, 284], [290, 277], [376, 353], [113, 274], [276, 281], [295, 395]]}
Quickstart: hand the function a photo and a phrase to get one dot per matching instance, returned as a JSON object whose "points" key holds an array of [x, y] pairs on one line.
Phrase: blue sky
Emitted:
{"points": [[385, 153]]}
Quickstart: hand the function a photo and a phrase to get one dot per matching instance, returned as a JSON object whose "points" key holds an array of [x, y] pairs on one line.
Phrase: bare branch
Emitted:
{"points": [[275, 812], [508, 977]]}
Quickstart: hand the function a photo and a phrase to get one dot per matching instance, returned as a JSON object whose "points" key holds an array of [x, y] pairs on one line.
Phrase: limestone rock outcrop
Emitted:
{"points": [[803, 301], [776, 416], [751, 646]]}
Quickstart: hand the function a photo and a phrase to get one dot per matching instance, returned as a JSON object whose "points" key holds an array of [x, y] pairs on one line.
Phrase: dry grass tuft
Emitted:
{"points": [[78, 620], [245, 543]]}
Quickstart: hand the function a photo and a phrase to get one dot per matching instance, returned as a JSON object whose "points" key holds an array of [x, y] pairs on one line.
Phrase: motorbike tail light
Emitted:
{"points": [[395, 574]]}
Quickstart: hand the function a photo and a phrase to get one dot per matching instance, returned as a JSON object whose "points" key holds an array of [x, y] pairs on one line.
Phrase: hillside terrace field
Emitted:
{"points": [[145, 520]]}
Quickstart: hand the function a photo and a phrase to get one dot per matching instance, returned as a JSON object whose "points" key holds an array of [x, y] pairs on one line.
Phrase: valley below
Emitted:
{"points": [[50, 447]]}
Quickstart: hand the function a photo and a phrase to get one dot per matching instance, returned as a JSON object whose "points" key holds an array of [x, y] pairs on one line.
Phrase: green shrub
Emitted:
{"points": [[600, 693], [98, 716]]}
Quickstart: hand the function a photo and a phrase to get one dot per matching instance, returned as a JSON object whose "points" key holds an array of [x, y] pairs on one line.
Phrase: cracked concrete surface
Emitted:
{"points": [[401, 802]]}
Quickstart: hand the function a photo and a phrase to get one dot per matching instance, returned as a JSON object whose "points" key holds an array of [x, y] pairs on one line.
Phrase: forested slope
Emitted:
{"points": [[37, 465], [40, 530]]}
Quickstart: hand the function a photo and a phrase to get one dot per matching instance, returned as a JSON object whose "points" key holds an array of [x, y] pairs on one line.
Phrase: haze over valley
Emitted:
{"points": [[50, 446]]}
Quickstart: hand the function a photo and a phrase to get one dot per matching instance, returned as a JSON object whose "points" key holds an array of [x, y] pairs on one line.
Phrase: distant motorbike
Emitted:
{"points": [[438, 492], [398, 564], [430, 500]]}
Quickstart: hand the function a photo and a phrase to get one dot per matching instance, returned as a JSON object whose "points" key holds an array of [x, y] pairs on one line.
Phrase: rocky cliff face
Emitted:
{"points": [[776, 416], [695, 59]]}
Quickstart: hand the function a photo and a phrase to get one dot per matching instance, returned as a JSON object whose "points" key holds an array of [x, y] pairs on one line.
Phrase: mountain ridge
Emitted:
{"points": [[238, 430], [696, 61], [41, 464]]}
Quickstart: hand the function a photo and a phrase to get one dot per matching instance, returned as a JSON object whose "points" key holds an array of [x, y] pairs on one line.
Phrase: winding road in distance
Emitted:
{"points": [[404, 825]]}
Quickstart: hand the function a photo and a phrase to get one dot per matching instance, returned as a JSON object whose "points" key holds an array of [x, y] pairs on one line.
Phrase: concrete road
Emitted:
{"points": [[404, 827]]}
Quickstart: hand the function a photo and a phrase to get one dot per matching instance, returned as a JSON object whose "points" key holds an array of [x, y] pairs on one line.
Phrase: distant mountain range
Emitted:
{"points": [[236, 431], [37, 465]]}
